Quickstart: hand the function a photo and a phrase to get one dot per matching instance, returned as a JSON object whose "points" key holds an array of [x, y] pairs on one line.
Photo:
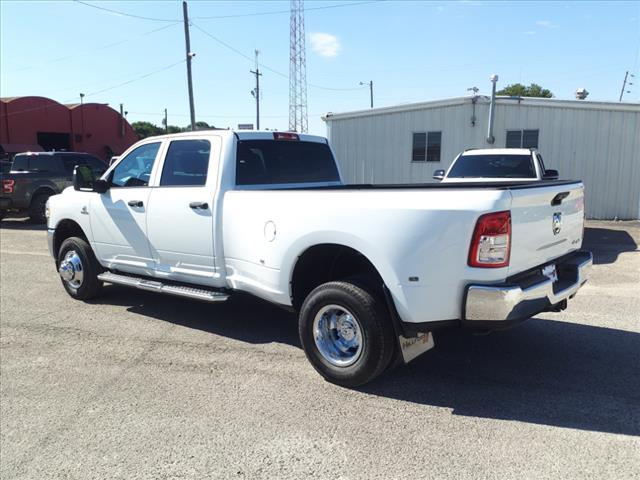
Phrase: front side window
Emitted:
{"points": [[186, 163], [134, 170]]}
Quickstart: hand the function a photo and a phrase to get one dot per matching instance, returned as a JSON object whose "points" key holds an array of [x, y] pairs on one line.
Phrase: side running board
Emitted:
{"points": [[159, 287]]}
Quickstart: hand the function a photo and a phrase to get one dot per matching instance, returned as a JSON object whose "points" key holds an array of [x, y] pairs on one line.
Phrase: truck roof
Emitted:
{"points": [[498, 151], [241, 135]]}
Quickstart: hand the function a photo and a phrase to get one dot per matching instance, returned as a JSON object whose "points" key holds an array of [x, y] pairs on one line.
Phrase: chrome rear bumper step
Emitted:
{"points": [[159, 287]]}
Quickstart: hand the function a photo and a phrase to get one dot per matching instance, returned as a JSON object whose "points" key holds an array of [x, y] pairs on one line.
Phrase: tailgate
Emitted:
{"points": [[547, 222]]}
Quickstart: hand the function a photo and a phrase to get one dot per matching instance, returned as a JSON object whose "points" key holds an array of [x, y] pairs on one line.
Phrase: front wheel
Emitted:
{"points": [[79, 269], [346, 333]]}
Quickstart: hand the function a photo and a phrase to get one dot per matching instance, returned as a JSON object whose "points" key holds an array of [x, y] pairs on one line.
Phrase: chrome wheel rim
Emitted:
{"points": [[338, 335], [71, 270]]}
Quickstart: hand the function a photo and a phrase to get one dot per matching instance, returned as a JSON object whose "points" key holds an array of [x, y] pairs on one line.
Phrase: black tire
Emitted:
{"points": [[90, 286], [37, 208], [378, 341]]}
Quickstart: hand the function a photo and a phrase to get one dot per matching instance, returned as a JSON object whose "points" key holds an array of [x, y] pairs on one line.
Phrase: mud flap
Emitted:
{"points": [[413, 347]]}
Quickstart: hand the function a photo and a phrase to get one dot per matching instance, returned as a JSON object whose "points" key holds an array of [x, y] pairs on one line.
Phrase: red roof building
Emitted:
{"points": [[42, 124]]}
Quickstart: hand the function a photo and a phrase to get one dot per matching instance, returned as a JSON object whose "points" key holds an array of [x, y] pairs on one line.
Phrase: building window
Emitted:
{"points": [[522, 138], [419, 147], [426, 146]]}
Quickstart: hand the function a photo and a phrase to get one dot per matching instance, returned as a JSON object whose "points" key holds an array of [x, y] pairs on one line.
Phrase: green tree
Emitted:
{"points": [[174, 129], [519, 90], [146, 129]]}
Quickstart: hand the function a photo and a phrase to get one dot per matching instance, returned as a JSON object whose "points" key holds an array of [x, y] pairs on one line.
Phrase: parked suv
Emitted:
{"points": [[35, 176]]}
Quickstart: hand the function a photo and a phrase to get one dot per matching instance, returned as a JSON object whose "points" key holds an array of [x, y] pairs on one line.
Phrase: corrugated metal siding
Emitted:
{"points": [[599, 146]]}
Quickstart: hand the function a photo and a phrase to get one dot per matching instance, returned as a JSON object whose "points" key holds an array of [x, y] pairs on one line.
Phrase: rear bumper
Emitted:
{"points": [[525, 295]]}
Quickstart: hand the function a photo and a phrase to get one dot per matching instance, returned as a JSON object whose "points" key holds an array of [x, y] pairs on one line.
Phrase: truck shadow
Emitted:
{"points": [[242, 317], [607, 244], [544, 372], [21, 224]]}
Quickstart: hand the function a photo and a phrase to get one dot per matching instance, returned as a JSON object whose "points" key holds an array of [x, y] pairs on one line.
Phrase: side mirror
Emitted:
{"points": [[438, 175], [551, 175], [84, 180]]}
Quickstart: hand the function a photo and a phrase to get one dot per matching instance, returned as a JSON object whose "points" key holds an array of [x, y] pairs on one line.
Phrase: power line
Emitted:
{"points": [[102, 47], [266, 67], [124, 14], [137, 78], [277, 12], [212, 17], [73, 100]]}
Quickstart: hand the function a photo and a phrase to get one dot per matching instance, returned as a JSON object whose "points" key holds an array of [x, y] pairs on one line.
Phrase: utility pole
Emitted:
{"points": [[624, 84], [82, 115], [166, 123], [121, 120], [190, 55], [256, 91], [370, 83], [492, 109]]}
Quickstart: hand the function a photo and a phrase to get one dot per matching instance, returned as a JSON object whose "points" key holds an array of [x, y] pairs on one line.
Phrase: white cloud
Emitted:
{"points": [[546, 24], [325, 44]]}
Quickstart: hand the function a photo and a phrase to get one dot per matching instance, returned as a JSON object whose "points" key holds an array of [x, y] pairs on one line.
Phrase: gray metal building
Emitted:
{"points": [[597, 142]]}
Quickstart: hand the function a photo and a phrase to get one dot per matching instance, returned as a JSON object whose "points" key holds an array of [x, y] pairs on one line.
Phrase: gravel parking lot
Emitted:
{"points": [[137, 385]]}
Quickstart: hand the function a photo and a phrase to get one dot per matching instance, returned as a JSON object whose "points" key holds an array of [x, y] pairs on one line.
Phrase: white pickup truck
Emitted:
{"points": [[497, 165], [372, 270]]}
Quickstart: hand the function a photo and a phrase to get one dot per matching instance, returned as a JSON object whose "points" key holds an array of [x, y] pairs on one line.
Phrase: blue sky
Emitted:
{"points": [[413, 51]]}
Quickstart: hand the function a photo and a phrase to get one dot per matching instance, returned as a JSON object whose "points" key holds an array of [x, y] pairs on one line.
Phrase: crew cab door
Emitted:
{"points": [[119, 216], [180, 217]]}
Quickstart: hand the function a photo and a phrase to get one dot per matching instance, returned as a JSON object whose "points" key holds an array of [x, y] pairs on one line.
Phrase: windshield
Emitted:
{"points": [[493, 166], [261, 162]]}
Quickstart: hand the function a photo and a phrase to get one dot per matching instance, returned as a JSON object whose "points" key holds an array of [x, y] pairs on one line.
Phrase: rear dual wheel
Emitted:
{"points": [[346, 332]]}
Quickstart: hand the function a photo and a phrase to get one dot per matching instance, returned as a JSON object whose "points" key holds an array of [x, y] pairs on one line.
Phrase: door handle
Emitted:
{"points": [[557, 200], [135, 203], [199, 205]]}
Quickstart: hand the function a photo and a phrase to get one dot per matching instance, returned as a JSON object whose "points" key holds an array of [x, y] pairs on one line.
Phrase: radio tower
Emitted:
{"points": [[297, 70]]}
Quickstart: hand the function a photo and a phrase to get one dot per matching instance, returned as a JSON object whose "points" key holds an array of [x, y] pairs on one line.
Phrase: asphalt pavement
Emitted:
{"points": [[135, 385]]}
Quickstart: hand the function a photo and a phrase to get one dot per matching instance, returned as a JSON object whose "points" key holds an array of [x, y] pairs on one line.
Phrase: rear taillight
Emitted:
{"points": [[7, 186], [491, 242]]}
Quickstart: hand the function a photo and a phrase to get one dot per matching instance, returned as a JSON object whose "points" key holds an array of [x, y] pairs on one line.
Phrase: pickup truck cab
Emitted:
{"points": [[34, 176], [372, 270], [497, 165]]}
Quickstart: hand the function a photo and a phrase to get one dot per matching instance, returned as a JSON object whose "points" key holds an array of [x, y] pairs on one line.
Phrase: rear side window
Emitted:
{"points": [[186, 163], [20, 163], [34, 163], [493, 166], [261, 162]]}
